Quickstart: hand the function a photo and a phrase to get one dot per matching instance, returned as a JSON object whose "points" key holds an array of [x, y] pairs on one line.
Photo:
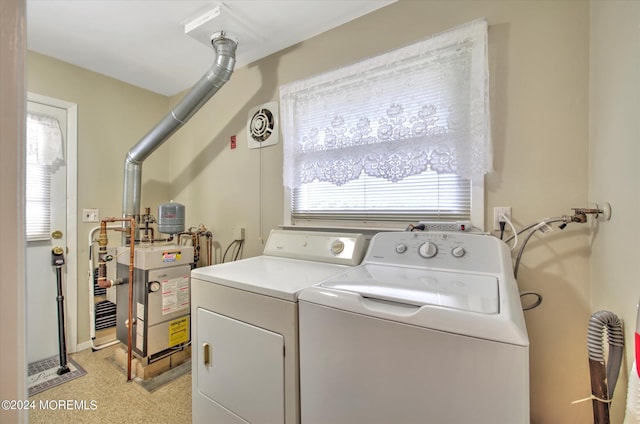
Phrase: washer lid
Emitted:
{"points": [[419, 287]]}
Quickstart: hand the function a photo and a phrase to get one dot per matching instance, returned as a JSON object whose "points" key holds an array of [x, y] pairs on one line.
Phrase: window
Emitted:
{"points": [[398, 137], [44, 153]]}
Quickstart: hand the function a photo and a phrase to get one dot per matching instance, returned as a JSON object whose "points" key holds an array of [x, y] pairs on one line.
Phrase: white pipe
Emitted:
{"points": [[92, 309]]}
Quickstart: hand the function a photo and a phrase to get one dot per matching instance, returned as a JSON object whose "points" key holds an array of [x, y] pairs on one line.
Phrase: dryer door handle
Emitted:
{"points": [[206, 354]]}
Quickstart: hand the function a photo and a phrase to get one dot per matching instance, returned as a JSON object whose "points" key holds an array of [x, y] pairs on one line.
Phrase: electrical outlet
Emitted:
{"points": [[90, 215], [501, 210], [238, 233]]}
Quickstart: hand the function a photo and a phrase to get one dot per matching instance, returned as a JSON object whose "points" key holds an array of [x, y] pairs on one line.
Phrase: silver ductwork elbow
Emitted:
{"points": [[209, 84]]}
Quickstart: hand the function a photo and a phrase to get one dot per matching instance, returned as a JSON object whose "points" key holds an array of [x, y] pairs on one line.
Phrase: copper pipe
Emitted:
{"points": [[195, 237], [209, 247], [195, 240], [130, 326], [103, 239], [104, 283]]}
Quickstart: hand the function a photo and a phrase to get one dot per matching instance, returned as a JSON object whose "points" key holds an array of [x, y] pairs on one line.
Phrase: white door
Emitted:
{"points": [[41, 285]]}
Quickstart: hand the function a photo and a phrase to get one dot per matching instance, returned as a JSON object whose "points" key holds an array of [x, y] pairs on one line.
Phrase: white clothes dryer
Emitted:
{"points": [[428, 329], [245, 366]]}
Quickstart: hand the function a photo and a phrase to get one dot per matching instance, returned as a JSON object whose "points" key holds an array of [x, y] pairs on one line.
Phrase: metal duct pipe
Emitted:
{"points": [[204, 89]]}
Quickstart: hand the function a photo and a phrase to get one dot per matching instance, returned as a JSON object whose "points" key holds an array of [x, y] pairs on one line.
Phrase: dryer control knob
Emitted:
{"points": [[337, 247], [458, 252], [401, 248], [428, 250]]}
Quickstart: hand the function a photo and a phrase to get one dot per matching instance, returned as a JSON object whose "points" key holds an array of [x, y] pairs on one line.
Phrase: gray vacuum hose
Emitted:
{"points": [[598, 322]]}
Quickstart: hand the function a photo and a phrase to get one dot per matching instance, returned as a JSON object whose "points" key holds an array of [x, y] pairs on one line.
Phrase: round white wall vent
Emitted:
{"points": [[262, 126]]}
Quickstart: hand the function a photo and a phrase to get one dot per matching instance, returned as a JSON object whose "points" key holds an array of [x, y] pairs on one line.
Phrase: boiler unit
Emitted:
{"points": [[161, 299]]}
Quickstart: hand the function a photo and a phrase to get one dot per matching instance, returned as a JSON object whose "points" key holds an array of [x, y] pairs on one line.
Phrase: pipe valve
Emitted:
{"points": [[580, 214], [588, 211]]}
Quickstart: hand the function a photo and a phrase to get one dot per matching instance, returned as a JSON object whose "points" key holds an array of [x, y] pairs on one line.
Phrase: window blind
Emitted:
{"points": [[427, 196], [38, 200]]}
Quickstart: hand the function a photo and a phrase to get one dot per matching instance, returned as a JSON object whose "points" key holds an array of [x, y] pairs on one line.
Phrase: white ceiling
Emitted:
{"points": [[143, 42]]}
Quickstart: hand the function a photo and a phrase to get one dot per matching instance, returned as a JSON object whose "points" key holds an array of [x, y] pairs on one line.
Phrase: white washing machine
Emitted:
{"points": [[245, 366], [428, 329]]}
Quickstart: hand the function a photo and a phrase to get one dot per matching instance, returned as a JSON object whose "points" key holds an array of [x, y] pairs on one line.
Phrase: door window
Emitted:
{"points": [[44, 153]]}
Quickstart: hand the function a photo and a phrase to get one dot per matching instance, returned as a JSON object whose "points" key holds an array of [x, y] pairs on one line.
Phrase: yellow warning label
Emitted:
{"points": [[179, 331]]}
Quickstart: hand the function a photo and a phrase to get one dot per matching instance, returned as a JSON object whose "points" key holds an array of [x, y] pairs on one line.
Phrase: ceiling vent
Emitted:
{"points": [[262, 126], [235, 25]]}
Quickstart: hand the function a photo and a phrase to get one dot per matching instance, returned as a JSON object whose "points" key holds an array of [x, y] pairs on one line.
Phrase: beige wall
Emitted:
{"points": [[614, 174], [539, 66], [13, 376], [539, 53]]}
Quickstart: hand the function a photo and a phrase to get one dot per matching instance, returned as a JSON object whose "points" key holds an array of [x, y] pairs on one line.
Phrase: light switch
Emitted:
{"points": [[90, 215]]}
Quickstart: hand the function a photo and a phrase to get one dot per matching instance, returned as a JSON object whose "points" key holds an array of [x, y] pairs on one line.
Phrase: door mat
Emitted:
{"points": [[154, 383], [42, 375]]}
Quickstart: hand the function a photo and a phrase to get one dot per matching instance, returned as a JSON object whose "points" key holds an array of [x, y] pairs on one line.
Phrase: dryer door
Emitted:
{"points": [[241, 367]]}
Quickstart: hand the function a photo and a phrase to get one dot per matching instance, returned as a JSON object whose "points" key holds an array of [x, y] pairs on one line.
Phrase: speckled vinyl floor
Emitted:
{"points": [[104, 396]]}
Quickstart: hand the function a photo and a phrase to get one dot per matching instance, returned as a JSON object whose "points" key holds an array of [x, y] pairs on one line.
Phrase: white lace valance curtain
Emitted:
{"points": [[44, 140], [419, 108]]}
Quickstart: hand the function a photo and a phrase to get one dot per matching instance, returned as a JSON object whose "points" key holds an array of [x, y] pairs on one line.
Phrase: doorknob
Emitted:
{"points": [[56, 234]]}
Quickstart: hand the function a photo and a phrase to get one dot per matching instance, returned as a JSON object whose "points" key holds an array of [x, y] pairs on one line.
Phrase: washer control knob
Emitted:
{"points": [[337, 247], [401, 248], [428, 249], [458, 252]]}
